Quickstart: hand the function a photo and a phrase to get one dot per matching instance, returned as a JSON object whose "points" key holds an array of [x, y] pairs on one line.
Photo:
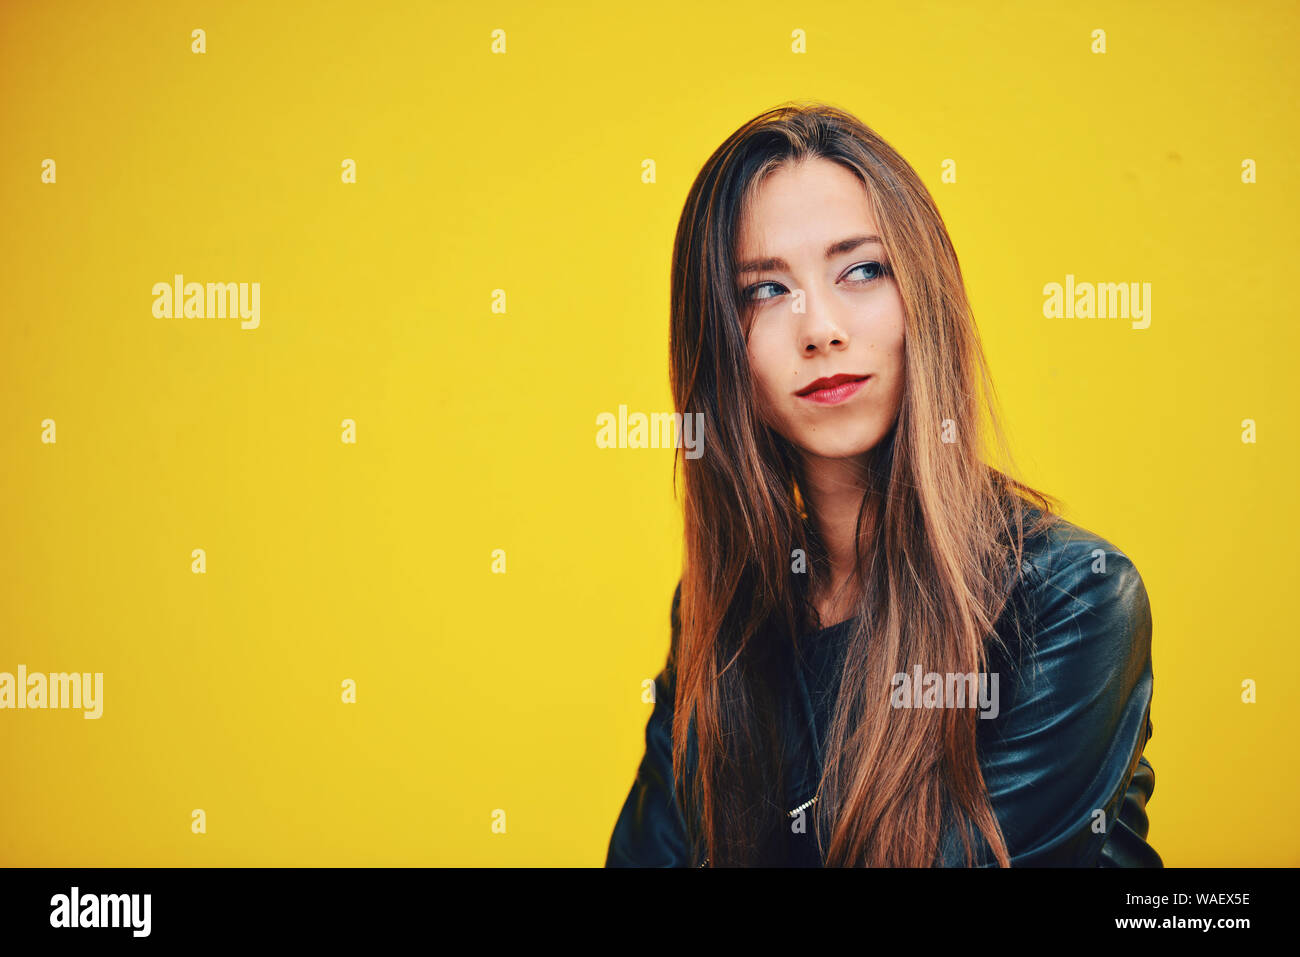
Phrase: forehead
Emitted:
{"points": [[804, 205]]}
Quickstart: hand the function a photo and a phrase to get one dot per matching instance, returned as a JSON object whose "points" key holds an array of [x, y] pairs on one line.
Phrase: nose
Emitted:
{"points": [[821, 331]]}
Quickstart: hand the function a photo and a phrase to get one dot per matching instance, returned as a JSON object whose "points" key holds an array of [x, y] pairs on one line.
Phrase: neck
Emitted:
{"points": [[832, 491]]}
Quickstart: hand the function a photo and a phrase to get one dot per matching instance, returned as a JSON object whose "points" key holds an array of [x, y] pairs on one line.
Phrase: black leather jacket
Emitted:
{"points": [[1062, 760]]}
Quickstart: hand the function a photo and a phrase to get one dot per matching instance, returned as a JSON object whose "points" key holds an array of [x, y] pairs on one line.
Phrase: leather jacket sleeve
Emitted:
{"points": [[650, 831], [1064, 764]]}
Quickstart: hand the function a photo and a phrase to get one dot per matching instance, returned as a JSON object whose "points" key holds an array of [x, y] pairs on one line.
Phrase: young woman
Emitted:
{"points": [[852, 564]]}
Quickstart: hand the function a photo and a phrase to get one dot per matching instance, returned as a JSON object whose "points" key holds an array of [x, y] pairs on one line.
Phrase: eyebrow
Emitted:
{"points": [[776, 263]]}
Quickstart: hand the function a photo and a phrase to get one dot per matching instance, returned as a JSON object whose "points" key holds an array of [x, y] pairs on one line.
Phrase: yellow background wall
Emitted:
{"points": [[475, 431]]}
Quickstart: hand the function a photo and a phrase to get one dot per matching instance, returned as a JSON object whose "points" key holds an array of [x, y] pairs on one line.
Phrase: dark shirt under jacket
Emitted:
{"points": [[1073, 720]]}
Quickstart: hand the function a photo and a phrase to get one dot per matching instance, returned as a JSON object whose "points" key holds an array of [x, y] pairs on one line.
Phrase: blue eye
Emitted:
{"points": [[750, 298], [879, 270]]}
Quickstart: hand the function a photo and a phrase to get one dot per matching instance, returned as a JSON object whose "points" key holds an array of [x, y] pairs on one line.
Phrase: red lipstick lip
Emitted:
{"points": [[829, 382]]}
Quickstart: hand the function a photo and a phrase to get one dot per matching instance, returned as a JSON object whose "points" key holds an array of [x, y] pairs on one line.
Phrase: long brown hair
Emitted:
{"points": [[939, 545]]}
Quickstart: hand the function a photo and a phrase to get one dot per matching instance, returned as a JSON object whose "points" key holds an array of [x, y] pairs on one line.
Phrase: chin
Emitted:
{"points": [[845, 446]]}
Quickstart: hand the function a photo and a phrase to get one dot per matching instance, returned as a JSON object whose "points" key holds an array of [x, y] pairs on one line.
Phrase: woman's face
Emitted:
{"points": [[822, 305]]}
